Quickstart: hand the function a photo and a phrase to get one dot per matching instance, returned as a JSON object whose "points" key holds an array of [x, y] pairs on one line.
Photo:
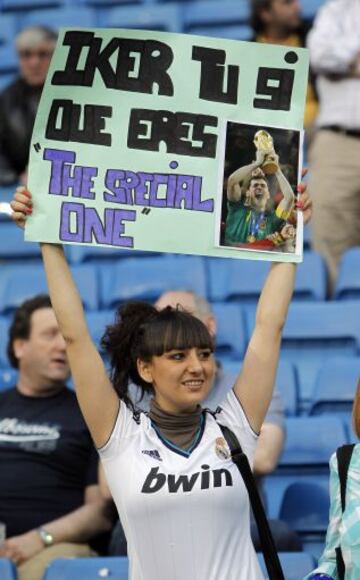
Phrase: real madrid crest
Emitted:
{"points": [[221, 448]]}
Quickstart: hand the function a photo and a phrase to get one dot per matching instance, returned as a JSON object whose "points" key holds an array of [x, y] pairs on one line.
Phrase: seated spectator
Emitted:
{"points": [[340, 558], [279, 22], [271, 439], [19, 102], [50, 500]]}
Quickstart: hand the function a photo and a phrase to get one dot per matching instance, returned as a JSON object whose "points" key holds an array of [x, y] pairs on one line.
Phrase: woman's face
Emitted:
{"points": [[181, 378]]}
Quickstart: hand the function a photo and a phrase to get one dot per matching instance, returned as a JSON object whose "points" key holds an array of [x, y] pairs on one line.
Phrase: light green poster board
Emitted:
{"points": [[138, 131]]}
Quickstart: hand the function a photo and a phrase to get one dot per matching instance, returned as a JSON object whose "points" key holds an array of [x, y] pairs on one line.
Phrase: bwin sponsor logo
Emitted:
{"points": [[205, 479]]}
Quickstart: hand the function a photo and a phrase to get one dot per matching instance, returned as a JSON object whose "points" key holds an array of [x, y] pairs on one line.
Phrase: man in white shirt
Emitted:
{"points": [[334, 183]]}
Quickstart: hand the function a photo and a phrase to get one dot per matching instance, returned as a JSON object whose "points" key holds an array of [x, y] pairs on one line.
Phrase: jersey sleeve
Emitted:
{"points": [[231, 414], [126, 426]]}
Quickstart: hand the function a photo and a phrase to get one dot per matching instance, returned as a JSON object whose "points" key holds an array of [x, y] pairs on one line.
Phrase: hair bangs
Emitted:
{"points": [[175, 330]]}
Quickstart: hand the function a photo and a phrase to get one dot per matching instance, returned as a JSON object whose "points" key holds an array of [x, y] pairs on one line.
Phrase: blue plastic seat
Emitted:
{"points": [[97, 322], [310, 441], [149, 17], [201, 17], [315, 332], [348, 280], [12, 244], [106, 3], [242, 280], [335, 386], [23, 5], [18, 283], [8, 57], [309, 444], [147, 278], [294, 564], [285, 382], [7, 569], [65, 16], [115, 568], [305, 508], [77, 254], [230, 334], [229, 31], [309, 8], [8, 378], [276, 484]]}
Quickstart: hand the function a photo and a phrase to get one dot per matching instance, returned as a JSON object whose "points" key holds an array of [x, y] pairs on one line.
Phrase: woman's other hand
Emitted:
{"points": [[21, 205]]}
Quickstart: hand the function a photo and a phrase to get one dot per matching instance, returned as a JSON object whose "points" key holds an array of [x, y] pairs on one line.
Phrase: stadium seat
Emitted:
{"points": [[348, 281], [93, 253], [102, 3], [115, 568], [23, 5], [19, 282], [309, 8], [4, 329], [149, 17], [8, 378], [310, 442], [230, 334], [97, 322], [12, 244], [285, 381], [8, 57], [305, 507], [294, 564], [315, 332], [67, 16], [335, 386], [229, 19], [7, 569], [242, 280], [147, 278]]}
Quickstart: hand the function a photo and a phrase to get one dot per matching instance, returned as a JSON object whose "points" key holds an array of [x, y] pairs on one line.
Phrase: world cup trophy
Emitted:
{"points": [[264, 142]]}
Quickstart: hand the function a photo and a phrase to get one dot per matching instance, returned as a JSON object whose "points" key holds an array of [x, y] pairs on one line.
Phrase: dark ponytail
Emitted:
{"points": [[140, 332], [121, 342]]}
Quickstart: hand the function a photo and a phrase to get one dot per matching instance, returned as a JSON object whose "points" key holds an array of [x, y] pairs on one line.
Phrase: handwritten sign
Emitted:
{"points": [[128, 148]]}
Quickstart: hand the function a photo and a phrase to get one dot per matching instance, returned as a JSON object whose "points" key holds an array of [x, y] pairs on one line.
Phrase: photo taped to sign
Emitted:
{"points": [[259, 181]]}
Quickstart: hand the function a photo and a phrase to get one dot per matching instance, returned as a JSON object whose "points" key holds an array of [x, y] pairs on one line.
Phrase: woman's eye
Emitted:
{"points": [[177, 356], [205, 354]]}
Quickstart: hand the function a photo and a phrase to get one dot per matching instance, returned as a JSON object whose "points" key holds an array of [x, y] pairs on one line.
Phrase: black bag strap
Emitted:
{"points": [[343, 455], [241, 461]]}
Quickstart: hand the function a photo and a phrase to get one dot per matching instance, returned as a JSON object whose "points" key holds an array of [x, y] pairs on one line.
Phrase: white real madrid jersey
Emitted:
{"points": [[185, 514]]}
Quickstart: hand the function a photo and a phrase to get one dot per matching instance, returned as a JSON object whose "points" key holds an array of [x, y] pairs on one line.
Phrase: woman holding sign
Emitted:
{"points": [[181, 500]]}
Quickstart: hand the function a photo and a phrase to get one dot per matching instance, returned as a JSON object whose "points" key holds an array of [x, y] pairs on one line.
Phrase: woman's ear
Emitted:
{"points": [[144, 370]]}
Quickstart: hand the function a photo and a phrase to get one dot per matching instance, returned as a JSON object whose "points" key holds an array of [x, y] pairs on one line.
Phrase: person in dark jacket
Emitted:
{"points": [[19, 101]]}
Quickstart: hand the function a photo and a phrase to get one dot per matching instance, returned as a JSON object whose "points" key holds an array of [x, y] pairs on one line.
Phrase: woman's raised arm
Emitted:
{"points": [[93, 387], [254, 386]]}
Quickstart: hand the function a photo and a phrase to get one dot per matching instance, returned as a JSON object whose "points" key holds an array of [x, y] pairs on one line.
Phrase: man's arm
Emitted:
{"points": [[334, 45], [78, 526], [238, 180], [271, 438], [285, 206], [268, 448]]}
